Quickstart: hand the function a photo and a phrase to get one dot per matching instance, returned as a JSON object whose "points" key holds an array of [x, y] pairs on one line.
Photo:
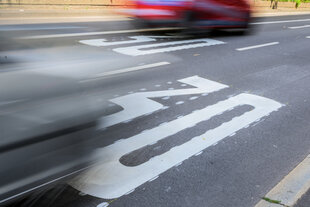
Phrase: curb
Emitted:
{"points": [[290, 189]]}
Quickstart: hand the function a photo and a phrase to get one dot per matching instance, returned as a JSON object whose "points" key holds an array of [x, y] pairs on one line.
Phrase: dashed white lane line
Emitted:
{"points": [[282, 21], [308, 37], [127, 70], [299, 27], [96, 33], [291, 188], [257, 46]]}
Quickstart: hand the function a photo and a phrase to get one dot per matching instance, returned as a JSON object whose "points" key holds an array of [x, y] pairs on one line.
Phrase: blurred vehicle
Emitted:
{"points": [[47, 126], [192, 13]]}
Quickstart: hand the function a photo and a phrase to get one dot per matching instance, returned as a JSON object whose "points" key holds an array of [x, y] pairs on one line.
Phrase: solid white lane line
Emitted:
{"points": [[257, 46], [299, 27], [292, 187], [126, 70], [96, 33], [308, 37], [25, 28], [283, 21]]}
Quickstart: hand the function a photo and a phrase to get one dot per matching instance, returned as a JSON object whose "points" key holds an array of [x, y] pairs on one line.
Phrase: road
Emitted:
{"points": [[194, 120]]}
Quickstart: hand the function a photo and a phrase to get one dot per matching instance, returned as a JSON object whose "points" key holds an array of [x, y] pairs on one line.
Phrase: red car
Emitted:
{"points": [[193, 13]]}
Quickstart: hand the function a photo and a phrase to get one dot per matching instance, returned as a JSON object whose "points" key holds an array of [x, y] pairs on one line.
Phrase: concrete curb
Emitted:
{"points": [[291, 188]]}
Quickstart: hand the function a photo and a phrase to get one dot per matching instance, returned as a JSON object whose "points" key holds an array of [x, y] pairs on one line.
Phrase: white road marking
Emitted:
{"points": [[179, 102], [199, 153], [308, 37], [282, 21], [111, 179], [299, 27], [183, 44], [193, 98], [96, 33], [104, 204], [292, 187], [104, 43], [257, 46], [137, 30], [127, 70], [139, 104], [33, 28], [153, 179]]}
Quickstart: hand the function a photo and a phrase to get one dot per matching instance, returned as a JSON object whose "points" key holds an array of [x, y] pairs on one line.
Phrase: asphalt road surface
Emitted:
{"points": [[191, 120]]}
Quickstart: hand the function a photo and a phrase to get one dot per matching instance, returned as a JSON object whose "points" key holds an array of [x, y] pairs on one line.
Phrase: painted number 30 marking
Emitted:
{"points": [[145, 49], [112, 179]]}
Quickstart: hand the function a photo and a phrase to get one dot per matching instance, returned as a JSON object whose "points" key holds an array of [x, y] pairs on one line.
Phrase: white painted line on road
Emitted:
{"points": [[27, 28], [137, 30], [96, 33], [299, 27], [104, 43], [292, 187], [175, 46], [280, 22], [257, 46], [131, 69], [104, 204], [308, 37]]}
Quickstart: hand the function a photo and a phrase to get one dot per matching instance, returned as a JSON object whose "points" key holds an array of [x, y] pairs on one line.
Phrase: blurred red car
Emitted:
{"points": [[193, 13]]}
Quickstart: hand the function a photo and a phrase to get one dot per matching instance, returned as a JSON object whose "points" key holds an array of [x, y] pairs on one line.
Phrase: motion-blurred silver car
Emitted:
{"points": [[47, 130]]}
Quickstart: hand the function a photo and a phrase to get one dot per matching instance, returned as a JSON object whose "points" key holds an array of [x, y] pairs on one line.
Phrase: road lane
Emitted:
{"points": [[236, 171]]}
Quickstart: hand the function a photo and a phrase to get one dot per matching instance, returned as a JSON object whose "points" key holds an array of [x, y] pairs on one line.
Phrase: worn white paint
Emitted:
{"points": [[104, 204], [257, 46], [167, 46], [127, 70], [299, 27], [193, 98], [139, 104], [179, 103], [105, 43], [111, 179]]}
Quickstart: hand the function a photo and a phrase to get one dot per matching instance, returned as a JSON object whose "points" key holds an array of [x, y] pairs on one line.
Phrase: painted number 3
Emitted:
{"points": [[156, 48]]}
